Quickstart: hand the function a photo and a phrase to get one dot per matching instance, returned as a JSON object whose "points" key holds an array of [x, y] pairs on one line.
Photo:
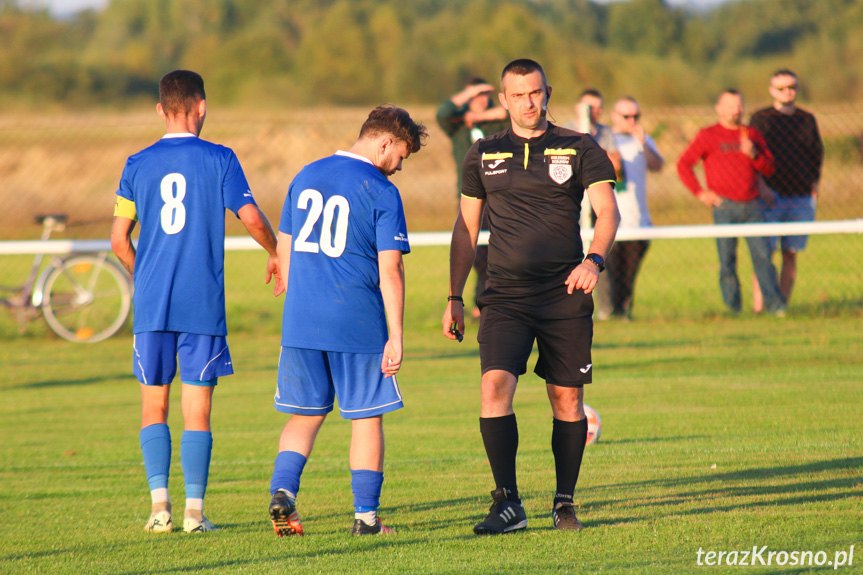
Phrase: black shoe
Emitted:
{"points": [[362, 528], [504, 516], [564, 517], [283, 513]]}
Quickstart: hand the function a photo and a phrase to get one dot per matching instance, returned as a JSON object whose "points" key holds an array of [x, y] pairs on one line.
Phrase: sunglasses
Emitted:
{"points": [[630, 116], [784, 88]]}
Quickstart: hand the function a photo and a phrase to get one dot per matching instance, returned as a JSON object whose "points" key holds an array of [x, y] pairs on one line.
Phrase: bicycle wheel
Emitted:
{"points": [[87, 298]]}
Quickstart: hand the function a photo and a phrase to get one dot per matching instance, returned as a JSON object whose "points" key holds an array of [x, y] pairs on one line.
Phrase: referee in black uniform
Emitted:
{"points": [[533, 177]]}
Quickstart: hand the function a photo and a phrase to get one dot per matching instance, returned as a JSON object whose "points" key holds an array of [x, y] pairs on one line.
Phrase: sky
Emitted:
{"points": [[65, 7]]}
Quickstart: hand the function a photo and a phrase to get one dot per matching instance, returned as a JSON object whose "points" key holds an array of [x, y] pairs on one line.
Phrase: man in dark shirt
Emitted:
{"points": [[793, 137], [532, 178]]}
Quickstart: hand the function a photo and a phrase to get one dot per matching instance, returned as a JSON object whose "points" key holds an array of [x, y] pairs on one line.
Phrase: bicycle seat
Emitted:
{"points": [[54, 219]]}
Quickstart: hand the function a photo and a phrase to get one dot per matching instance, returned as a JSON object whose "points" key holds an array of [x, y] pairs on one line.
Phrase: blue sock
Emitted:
{"points": [[287, 471], [195, 452], [156, 447], [366, 486]]}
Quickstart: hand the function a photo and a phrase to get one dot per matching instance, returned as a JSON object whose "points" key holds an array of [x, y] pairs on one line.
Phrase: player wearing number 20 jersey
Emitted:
{"points": [[340, 212], [181, 186]]}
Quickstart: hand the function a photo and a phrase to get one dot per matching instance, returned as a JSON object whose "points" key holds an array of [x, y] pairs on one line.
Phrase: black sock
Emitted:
{"points": [[500, 437], [567, 445]]}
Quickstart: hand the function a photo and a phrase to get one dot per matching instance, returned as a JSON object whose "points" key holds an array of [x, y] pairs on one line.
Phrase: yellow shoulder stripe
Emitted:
{"points": [[560, 152], [125, 209], [602, 182], [498, 156]]}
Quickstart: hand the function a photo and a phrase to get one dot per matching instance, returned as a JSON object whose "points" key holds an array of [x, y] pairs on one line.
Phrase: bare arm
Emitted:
{"points": [[470, 93], [392, 274], [494, 114], [586, 274], [121, 242], [259, 228], [654, 159], [283, 249], [461, 256]]}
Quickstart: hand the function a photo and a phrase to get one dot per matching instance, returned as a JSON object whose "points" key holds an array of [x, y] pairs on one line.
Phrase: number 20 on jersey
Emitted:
{"points": [[334, 229]]}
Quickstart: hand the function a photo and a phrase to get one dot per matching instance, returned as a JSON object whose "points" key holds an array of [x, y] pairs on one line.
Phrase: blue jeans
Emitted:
{"points": [[731, 212]]}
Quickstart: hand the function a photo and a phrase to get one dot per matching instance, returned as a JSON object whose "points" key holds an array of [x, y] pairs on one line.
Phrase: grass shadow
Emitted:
{"points": [[70, 382]]}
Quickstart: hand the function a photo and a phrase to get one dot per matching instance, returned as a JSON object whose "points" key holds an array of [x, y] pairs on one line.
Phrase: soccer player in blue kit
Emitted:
{"points": [[178, 190], [340, 245]]}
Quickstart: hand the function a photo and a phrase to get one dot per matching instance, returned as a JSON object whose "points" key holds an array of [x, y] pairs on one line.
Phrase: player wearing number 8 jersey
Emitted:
{"points": [[341, 240], [178, 190]]}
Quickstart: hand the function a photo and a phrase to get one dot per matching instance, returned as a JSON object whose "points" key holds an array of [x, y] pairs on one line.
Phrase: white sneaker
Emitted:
{"points": [[192, 525], [160, 522]]}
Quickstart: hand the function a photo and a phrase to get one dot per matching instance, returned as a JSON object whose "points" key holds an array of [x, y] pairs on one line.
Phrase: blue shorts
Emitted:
{"points": [[799, 209], [203, 358], [310, 380]]}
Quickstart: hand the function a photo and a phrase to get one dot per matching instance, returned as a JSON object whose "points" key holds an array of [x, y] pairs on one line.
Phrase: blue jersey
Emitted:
{"points": [[340, 212], [181, 187]]}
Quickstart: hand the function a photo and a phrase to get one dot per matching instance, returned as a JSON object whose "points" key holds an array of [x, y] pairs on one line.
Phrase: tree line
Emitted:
{"points": [[361, 52]]}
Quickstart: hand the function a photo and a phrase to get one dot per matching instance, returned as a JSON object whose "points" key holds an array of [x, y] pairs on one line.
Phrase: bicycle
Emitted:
{"points": [[84, 298]]}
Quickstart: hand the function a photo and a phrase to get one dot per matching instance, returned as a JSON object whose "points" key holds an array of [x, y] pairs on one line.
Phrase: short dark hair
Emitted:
{"points": [[180, 91], [731, 91], [523, 67], [591, 92], [475, 81], [783, 72], [389, 119]]}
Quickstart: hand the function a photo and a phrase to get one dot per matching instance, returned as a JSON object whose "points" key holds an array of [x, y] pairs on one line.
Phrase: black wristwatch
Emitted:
{"points": [[596, 259]]}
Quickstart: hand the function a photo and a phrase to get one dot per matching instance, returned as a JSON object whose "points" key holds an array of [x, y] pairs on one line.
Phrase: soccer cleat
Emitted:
{"points": [[283, 512], [564, 517], [193, 525], [160, 522], [504, 516], [362, 528]]}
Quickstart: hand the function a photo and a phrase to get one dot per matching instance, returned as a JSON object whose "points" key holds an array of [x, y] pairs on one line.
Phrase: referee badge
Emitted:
{"points": [[560, 173], [560, 164]]}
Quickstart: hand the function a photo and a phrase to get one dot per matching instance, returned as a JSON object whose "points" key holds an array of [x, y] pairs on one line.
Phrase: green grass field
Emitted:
{"points": [[719, 433]]}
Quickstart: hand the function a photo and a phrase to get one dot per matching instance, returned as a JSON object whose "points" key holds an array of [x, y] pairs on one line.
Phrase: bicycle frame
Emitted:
{"points": [[83, 297], [39, 289], [33, 289]]}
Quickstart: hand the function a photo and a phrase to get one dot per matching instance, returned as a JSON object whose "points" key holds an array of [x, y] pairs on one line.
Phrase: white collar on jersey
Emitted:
{"points": [[180, 135], [354, 156]]}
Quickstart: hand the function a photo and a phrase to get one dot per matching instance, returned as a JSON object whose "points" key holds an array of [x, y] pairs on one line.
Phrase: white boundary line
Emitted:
{"points": [[242, 243]]}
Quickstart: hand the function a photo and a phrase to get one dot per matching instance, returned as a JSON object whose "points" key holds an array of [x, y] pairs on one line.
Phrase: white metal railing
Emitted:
{"points": [[243, 243]]}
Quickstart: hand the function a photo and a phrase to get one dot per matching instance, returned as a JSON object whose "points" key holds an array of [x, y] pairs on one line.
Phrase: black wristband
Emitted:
{"points": [[457, 298], [596, 260]]}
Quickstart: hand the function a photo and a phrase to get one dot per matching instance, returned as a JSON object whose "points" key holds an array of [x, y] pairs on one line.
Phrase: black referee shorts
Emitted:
{"points": [[560, 323]]}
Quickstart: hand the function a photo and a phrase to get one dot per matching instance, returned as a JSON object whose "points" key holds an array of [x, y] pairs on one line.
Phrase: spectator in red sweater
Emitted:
{"points": [[734, 156]]}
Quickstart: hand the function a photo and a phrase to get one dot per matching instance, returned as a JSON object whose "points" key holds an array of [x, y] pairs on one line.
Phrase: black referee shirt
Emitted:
{"points": [[533, 190]]}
